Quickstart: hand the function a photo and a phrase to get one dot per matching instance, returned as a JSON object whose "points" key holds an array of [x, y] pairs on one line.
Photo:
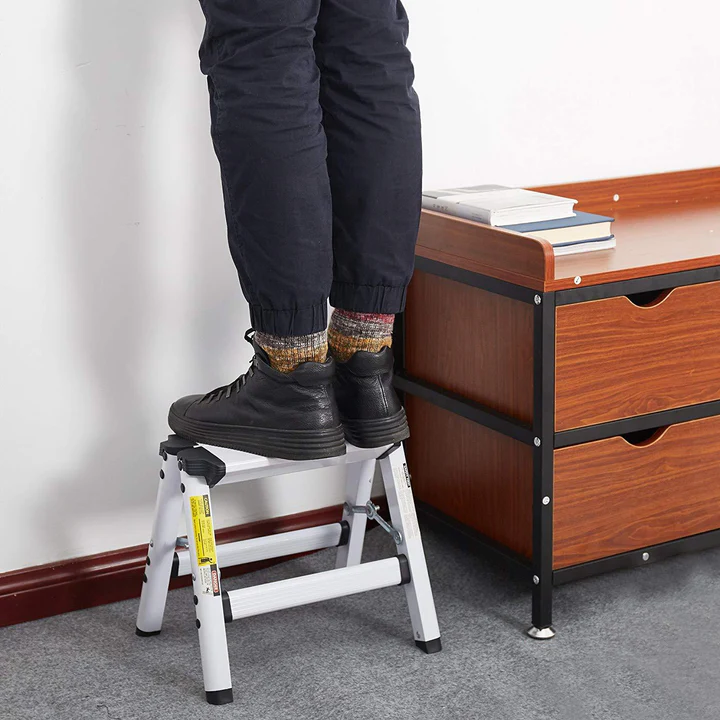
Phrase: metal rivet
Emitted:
{"points": [[180, 465], [577, 280], [193, 577], [536, 579], [182, 487], [197, 624], [538, 299], [164, 455], [144, 578], [646, 556], [147, 560], [546, 500], [537, 442], [162, 474], [195, 599]]}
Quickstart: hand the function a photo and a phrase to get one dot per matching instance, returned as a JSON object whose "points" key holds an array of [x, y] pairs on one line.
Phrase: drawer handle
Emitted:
{"points": [[644, 438], [650, 298]]}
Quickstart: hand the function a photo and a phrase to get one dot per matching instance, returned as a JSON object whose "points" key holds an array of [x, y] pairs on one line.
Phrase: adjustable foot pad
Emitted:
{"points": [[143, 633], [429, 646], [547, 633], [219, 697]]}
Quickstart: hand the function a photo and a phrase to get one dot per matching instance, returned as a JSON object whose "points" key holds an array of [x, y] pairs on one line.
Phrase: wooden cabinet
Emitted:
{"points": [[565, 414]]}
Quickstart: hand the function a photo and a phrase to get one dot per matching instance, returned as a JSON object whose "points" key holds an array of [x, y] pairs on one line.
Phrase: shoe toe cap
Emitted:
{"points": [[181, 406]]}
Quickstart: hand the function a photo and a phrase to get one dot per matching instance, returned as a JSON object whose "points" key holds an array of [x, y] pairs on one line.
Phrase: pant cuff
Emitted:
{"points": [[385, 299], [289, 323]]}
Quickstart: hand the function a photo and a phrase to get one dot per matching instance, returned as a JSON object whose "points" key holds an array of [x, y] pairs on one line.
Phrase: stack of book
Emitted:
{"points": [[549, 217]]}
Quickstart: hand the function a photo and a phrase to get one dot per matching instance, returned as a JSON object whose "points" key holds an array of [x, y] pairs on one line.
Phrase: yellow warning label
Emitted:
{"points": [[203, 529]]}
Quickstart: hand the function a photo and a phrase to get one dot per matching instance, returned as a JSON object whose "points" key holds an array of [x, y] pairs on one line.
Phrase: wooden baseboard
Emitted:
{"points": [[56, 588]]}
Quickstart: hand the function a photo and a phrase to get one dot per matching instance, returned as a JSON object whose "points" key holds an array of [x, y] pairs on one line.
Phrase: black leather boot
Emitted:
{"points": [[286, 415], [369, 406]]}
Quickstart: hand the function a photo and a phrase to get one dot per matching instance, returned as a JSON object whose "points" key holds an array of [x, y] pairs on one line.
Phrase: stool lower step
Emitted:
{"points": [[270, 546], [327, 585]]}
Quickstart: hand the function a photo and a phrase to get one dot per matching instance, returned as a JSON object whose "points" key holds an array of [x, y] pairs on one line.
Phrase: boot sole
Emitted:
{"points": [[376, 433], [268, 442]]}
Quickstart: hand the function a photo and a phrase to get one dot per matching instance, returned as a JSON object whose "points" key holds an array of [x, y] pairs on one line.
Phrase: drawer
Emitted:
{"points": [[627, 356], [618, 494]]}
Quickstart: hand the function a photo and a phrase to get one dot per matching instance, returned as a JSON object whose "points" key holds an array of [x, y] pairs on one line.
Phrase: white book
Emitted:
{"points": [[498, 205], [583, 247]]}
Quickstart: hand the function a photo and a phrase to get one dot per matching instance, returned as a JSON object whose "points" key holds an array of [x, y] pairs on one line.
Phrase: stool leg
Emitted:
{"points": [[210, 618], [404, 518], [357, 492], [161, 550]]}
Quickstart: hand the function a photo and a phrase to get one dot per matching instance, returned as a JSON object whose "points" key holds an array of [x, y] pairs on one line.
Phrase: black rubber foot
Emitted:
{"points": [[429, 646], [142, 633], [219, 697]]}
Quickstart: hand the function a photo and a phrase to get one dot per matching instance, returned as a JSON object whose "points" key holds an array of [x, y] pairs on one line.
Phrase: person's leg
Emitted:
{"points": [[372, 122], [267, 132], [266, 128]]}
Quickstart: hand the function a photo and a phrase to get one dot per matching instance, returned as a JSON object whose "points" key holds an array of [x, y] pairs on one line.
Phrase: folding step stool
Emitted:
{"points": [[188, 474]]}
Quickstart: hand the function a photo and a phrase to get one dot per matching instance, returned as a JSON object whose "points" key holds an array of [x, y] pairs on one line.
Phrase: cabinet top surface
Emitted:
{"points": [[663, 224], [679, 238]]}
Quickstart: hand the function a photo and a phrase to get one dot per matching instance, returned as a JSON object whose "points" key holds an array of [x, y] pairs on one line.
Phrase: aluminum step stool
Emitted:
{"points": [[188, 474]]}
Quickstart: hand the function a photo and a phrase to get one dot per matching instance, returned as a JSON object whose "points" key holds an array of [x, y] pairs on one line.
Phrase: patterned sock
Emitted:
{"points": [[286, 353], [353, 331]]}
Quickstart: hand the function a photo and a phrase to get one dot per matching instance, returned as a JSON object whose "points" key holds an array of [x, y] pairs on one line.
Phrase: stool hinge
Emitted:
{"points": [[371, 510]]}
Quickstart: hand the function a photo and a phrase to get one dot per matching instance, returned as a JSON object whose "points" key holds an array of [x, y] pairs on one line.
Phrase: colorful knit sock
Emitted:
{"points": [[286, 353], [353, 331]]}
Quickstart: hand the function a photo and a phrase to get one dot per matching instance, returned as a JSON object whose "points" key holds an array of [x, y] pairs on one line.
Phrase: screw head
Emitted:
{"points": [[182, 487], [577, 280], [645, 556], [546, 500], [536, 579], [537, 442], [162, 474], [538, 299], [180, 465]]}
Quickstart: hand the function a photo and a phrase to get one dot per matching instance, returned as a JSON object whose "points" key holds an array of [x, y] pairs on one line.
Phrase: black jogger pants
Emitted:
{"points": [[317, 131]]}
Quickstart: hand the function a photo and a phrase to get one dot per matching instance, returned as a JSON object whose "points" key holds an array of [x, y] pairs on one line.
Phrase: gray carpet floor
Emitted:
{"points": [[631, 645]]}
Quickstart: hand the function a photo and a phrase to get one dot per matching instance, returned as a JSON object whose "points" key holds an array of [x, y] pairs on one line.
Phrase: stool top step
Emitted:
{"points": [[218, 463]]}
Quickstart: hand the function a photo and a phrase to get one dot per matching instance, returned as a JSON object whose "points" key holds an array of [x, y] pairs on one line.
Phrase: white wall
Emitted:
{"points": [[117, 290]]}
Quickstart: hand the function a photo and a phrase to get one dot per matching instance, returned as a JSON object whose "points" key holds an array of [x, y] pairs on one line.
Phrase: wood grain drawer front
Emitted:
{"points": [[611, 496], [616, 359]]}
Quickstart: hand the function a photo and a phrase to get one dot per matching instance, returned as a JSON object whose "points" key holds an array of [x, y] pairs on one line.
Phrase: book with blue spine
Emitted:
{"points": [[582, 227]]}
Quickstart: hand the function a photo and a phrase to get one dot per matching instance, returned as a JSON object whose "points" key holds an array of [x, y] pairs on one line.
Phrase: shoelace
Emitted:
{"points": [[235, 385]]}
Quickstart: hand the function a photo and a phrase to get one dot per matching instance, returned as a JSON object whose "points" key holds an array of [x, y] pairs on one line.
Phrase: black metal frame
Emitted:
{"points": [[543, 448], [541, 434]]}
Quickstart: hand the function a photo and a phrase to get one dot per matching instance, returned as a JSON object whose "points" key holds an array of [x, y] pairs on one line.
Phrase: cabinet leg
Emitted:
{"points": [[542, 628], [543, 466]]}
